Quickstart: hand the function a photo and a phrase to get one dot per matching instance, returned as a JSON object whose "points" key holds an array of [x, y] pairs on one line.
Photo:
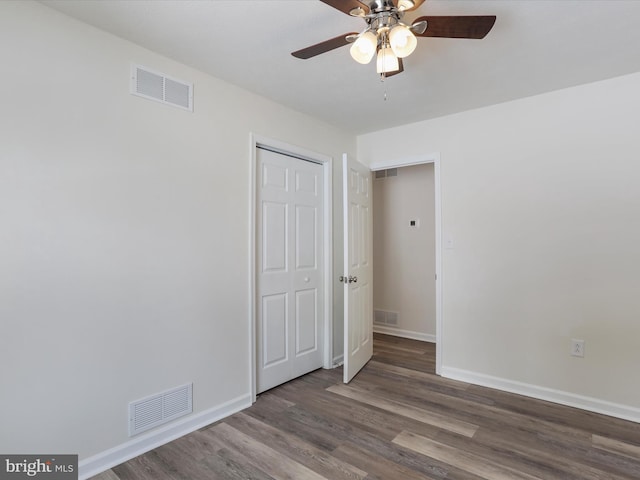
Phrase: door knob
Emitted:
{"points": [[353, 279]]}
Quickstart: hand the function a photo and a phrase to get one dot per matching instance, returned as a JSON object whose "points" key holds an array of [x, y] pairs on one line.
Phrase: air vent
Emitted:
{"points": [[161, 88], [389, 172], [161, 408], [383, 317]]}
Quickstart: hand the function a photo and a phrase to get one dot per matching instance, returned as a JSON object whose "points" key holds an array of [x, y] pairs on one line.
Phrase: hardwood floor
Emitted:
{"points": [[398, 421]]}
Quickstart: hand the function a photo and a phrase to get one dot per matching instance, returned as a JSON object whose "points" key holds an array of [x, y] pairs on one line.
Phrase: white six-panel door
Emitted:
{"points": [[358, 271], [289, 259]]}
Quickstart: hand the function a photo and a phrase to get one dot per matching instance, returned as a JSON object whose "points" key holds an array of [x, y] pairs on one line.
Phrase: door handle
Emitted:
{"points": [[349, 279]]}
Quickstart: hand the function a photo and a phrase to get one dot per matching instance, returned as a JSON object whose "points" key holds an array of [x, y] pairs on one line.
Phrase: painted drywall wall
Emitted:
{"points": [[124, 238], [540, 233], [404, 255]]}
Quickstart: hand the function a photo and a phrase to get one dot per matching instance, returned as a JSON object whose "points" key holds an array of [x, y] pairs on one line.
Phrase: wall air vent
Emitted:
{"points": [[161, 408], [379, 317], [161, 88], [389, 172], [383, 317]]}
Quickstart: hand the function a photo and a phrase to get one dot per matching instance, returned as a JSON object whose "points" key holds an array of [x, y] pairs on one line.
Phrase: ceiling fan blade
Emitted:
{"points": [[474, 26], [400, 70], [346, 6], [323, 47]]}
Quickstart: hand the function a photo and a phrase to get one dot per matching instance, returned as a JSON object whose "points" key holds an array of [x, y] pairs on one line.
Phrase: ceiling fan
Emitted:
{"points": [[390, 40]]}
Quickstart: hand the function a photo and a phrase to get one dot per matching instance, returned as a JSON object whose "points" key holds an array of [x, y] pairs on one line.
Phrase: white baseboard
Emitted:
{"points": [[143, 443], [338, 360], [398, 332], [590, 404]]}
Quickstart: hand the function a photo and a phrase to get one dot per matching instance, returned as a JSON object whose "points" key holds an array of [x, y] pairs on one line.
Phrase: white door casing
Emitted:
{"points": [[290, 284], [358, 271]]}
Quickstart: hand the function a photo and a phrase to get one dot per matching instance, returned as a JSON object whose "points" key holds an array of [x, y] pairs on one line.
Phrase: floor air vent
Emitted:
{"points": [[161, 408], [161, 88]]}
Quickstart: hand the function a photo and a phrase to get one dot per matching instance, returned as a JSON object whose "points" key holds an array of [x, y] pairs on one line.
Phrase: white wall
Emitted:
{"points": [[540, 199], [124, 233], [404, 256]]}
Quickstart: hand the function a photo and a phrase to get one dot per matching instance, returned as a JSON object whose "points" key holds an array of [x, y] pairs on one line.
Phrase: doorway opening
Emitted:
{"points": [[407, 250]]}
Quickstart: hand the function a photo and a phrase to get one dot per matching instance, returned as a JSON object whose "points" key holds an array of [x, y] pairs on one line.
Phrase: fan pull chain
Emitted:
{"points": [[382, 77]]}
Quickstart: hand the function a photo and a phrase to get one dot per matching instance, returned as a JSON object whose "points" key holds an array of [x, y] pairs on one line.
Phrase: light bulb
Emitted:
{"points": [[387, 62], [403, 41], [364, 48]]}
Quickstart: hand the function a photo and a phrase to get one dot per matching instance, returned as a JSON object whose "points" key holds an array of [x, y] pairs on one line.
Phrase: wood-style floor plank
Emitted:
{"points": [[483, 467], [396, 420], [297, 449], [415, 413], [262, 456], [615, 446]]}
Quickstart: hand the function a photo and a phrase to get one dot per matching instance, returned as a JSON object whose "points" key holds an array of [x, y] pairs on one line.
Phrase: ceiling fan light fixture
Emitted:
{"points": [[402, 40], [405, 4], [364, 48], [387, 62]]}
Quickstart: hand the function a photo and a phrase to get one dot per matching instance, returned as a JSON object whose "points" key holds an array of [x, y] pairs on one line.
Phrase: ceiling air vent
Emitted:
{"points": [[160, 408], [161, 88]]}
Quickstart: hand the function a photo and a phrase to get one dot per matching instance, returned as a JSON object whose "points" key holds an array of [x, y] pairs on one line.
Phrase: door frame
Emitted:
{"points": [[326, 161], [419, 160]]}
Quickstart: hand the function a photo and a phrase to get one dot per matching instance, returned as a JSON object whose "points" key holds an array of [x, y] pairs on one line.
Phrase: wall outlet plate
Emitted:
{"points": [[577, 347]]}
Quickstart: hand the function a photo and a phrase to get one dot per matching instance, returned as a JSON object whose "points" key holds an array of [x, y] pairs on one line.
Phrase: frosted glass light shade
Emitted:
{"points": [[364, 48], [387, 62], [405, 4], [403, 41]]}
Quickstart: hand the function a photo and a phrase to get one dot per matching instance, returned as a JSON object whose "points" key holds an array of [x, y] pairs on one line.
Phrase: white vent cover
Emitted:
{"points": [[389, 172], [161, 88], [161, 408], [383, 317]]}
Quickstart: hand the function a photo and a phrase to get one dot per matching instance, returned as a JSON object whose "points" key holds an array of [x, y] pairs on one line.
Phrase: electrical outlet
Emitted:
{"points": [[577, 347]]}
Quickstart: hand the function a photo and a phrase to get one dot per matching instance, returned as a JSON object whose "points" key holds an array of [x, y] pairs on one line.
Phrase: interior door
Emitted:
{"points": [[358, 291], [290, 264]]}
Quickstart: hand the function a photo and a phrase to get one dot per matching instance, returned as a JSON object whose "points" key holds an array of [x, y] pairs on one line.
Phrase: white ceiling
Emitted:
{"points": [[535, 46]]}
